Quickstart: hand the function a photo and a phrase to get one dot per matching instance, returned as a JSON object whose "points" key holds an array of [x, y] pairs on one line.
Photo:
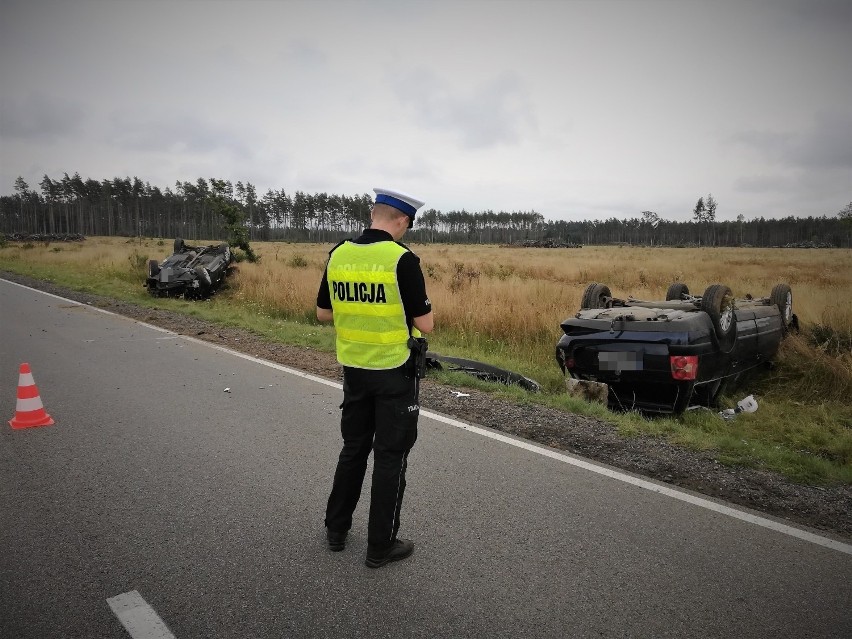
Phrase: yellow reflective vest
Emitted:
{"points": [[369, 317]]}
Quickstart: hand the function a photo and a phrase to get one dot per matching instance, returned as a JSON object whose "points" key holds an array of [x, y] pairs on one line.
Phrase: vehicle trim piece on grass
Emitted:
{"points": [[482, 371]]}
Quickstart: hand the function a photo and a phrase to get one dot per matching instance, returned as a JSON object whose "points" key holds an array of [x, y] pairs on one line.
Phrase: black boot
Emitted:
{"points": [[336, 540], [399, 549]]}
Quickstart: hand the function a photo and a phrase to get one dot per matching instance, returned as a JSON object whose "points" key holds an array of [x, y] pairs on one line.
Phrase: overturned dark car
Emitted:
{"points": [[195, 272], [666, 356]]}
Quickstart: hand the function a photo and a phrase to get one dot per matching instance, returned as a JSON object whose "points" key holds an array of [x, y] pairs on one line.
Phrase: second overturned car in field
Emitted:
{"points": [[665, 356], [194, 272]]}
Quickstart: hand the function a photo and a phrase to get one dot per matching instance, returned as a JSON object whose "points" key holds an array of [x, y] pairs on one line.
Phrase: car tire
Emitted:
{"points": [[179, 244], [782, 297], [595, 296], [676, 291], [718, 303], [153, 268], [203, 276]]}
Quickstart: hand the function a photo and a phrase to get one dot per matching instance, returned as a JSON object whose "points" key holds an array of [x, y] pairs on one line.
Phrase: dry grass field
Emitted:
{"points": [[515, 294], [504, 306], [507, 303], [503, 299]]}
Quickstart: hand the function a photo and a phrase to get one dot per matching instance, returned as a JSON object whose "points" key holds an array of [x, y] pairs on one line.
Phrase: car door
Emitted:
{"points": [[745, 351], [769, 328]]}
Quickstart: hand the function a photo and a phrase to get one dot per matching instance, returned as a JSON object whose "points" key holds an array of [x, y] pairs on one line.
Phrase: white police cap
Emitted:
{"points": [[400, 201]]}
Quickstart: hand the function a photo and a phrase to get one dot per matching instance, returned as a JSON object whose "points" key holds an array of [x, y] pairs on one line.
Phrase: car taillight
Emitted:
{"points": [[569, 362], [684, 367]]}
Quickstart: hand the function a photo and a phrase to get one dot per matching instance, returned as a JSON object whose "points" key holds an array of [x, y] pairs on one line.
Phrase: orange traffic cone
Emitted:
{"points": [[29, 411]]}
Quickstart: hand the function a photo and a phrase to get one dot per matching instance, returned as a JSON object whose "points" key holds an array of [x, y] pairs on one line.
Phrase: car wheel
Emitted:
{"points": [[595, 296], [718, 303], [153, 268], [782, 297], [179, 244], [676, 291], [203, 276]]}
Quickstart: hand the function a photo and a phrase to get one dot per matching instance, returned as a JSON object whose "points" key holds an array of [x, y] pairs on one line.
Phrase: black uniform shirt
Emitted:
{"points": [[412, 287]]}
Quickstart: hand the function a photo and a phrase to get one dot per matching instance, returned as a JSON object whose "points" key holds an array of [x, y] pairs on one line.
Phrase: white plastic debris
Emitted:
{"points": [[460, 394], [227, 390], [745, 405], [748, 405]]}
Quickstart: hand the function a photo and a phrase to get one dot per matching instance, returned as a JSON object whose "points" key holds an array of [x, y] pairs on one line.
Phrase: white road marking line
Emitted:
{"points": [[137, 617], [708, 504], [132, 339]]}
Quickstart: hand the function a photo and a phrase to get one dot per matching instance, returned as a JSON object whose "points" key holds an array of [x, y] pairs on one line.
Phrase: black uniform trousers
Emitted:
{"points": [[380, 411]]}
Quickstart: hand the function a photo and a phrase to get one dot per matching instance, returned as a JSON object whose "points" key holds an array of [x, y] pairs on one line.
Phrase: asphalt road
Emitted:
{"points": [[209, 504]]}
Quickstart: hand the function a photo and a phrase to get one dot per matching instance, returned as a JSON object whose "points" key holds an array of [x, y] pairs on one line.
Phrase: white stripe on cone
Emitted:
{"points": [[29, 405]]}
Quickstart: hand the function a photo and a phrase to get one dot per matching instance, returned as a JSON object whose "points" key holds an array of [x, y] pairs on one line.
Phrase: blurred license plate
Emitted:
{"points": [[619, 361]]}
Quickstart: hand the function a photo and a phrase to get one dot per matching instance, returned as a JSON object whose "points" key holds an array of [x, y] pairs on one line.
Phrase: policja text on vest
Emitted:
{"points": [[359, 292]]}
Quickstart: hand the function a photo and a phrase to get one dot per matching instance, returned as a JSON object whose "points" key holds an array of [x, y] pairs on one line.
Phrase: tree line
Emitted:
{"points": [[197, 210]]}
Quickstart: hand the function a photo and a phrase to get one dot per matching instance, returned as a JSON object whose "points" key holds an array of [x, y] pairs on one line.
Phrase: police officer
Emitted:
{"points": [[373, 289]]}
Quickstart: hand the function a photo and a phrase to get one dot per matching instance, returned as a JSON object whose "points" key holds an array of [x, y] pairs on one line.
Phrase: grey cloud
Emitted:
{"points": [[828, 144], [39, 116], [762, 184], [796, 192], [161, 132], [306, 55], [495, 112], [825, 145], [771, 144], [835, 15]]}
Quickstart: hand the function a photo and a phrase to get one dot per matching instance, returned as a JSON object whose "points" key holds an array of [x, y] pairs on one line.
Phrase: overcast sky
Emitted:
{"points": [[575, 109]]}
